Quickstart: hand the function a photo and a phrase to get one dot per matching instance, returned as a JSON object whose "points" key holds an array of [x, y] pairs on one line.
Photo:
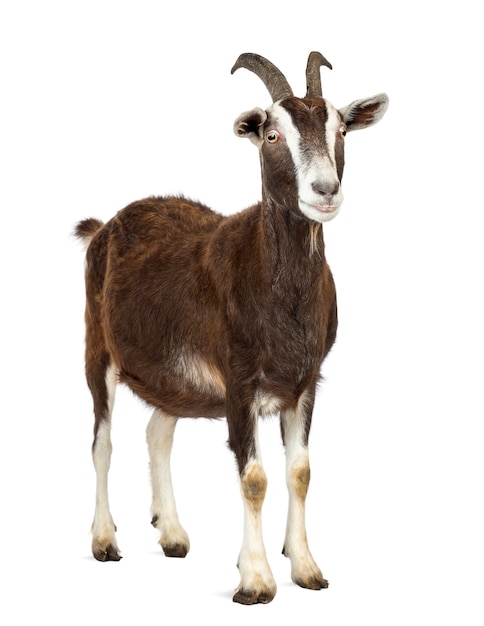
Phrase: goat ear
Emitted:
{"points": [[249, 124], [364, 113]]}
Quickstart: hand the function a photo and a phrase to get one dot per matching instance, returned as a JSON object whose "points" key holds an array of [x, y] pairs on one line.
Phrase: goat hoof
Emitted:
{"points": [[110, 553], [314, 582], [177, 550], [247, 596]]}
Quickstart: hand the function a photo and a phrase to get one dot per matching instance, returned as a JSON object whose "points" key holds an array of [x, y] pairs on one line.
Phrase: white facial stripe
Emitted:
{"points": [[317, 171], [289, 131], [332, 125]]}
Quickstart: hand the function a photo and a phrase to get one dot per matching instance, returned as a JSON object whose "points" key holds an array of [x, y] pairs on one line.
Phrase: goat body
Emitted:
{"points": [[204, 315]]}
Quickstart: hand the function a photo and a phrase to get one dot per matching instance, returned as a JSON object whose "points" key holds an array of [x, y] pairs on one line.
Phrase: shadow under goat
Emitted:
{"points": [[204, 315]]}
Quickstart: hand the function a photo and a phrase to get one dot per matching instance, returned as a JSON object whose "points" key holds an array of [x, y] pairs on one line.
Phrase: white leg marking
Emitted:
{"points": [[304, 570], [159, 434], [104, 546], [257, 583]]}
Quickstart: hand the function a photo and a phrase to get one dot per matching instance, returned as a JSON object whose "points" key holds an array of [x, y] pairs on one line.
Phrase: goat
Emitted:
{"points": [[205, 315]]}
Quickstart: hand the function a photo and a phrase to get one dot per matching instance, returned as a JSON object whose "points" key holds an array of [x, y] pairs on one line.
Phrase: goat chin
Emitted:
{"points": [[319, 213]]}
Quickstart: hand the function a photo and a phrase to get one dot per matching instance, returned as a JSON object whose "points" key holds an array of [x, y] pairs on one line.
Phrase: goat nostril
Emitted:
{"points": [[325, 188]]}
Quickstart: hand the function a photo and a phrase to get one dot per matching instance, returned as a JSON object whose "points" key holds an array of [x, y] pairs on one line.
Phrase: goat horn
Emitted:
{"points": [[313, 77], [273, 79]]}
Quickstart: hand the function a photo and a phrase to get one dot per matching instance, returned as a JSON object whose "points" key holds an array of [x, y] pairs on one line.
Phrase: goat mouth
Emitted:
{"points": [[325, 208], [319, 212], [322, 208]]}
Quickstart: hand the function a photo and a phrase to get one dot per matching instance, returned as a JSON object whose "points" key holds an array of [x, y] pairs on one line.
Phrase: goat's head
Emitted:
{"points": [[301, 140]]}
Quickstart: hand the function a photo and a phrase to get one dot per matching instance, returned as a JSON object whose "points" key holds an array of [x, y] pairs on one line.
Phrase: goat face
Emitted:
{"points": [[301, 144], [302, 156]]}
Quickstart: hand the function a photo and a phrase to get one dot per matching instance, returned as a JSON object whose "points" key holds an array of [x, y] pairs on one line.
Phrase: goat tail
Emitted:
{"points": [[86, 229]]}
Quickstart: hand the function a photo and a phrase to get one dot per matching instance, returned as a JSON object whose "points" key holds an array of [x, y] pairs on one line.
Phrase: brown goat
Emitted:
{"points": [[203, 315]]}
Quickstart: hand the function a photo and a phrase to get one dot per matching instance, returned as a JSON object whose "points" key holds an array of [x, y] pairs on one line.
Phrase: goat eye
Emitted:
{"points": [[343, 131], [272, 136]]}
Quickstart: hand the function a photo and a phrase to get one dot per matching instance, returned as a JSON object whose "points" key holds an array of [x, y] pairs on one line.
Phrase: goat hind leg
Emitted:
{"points": [[159, 434], [104, 545]]}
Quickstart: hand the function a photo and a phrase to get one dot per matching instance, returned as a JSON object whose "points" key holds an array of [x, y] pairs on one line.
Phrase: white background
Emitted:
{"points": [[102, 103]]}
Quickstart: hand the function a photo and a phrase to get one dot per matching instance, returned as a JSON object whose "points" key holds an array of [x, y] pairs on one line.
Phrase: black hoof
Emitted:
{"points": [[244, 596], [178, 551], [313, 583], [109, 554]]}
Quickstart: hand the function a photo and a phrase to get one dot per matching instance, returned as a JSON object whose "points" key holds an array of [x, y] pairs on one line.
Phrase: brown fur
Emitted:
{"points": [[168, 279]]}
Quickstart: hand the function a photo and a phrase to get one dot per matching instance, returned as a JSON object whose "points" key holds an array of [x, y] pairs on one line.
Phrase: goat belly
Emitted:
{"points": [[164, 354], [177, 397], [160, 308]]}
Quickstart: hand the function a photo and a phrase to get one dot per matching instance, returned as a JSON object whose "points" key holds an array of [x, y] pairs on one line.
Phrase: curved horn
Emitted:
{"points": [[273, 79], [313, 77]]}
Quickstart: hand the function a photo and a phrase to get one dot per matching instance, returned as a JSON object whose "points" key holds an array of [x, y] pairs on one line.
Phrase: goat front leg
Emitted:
{"points": [[295, 430], [257, 583], [159, 434]]}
